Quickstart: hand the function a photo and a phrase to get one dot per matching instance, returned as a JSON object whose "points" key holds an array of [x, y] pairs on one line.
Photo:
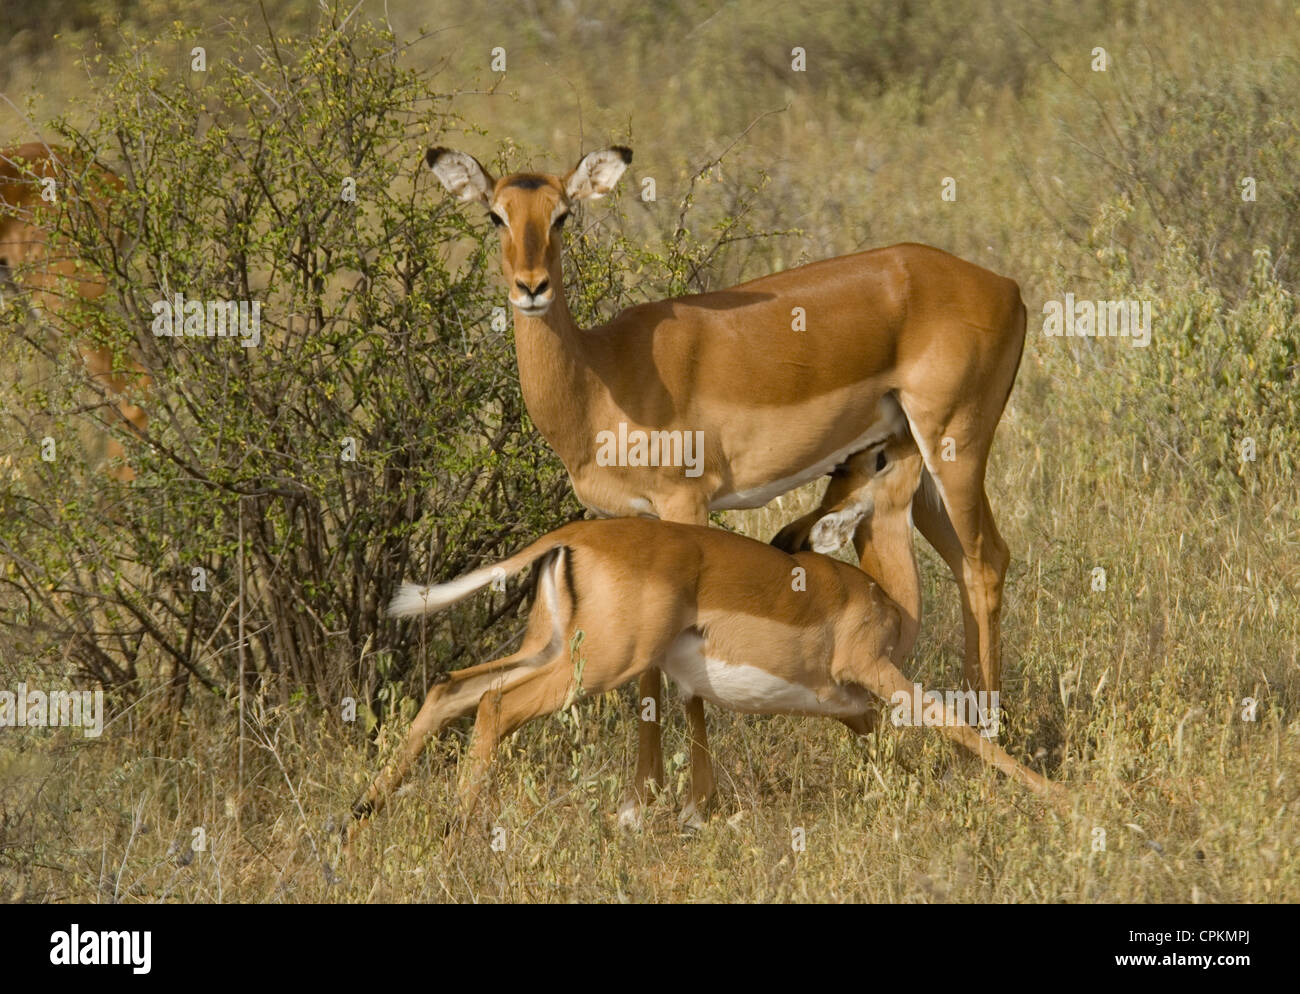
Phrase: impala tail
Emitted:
{"points": [[414, 599]]}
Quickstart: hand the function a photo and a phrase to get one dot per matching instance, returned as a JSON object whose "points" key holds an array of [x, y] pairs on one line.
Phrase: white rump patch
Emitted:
{"points": [[550, 583]]}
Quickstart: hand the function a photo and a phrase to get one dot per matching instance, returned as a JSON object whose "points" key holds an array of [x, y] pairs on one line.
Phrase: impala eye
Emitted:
{"points": [[497, 220], [559, 221], [880, 460]]}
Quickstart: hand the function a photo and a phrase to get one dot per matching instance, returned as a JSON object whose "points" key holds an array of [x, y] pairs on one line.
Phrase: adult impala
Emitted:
{"points": [[733, 621], [903, 336], [56, 279]]}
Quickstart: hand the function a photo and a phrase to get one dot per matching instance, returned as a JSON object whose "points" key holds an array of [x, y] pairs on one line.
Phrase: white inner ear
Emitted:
{"points": [[463, 176], [595, 175], [837, 528]]}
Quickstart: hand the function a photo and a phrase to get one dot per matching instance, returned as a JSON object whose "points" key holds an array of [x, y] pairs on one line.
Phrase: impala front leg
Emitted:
{"points": [[690, 509]]}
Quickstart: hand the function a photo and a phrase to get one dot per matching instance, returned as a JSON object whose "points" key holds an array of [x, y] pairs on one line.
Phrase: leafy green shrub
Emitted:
{"points": [[1211, 408], [1215, 398], [1179, 152], [375, 432]]}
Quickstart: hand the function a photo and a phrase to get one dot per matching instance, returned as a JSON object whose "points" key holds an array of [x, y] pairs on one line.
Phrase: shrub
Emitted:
{"points": [[375, 433]]}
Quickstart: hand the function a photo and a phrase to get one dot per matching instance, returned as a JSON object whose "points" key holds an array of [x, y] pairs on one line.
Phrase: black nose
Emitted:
{"points": [[534, 290]]}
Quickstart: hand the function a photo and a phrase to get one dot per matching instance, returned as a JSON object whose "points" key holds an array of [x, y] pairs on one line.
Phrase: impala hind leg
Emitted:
{"points": [[536, 693], [931, 520], [453, 695], [457, 694], [649, 750], [702, 782], [959, 482], [985, 558]]}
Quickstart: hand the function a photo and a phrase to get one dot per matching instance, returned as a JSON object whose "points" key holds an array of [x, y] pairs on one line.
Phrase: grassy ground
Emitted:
{"points": [[1132, 696]]}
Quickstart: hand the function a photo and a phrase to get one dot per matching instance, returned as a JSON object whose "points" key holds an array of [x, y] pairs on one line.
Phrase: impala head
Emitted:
{"points": [[529, 209], [878, 483], [896, 467]]}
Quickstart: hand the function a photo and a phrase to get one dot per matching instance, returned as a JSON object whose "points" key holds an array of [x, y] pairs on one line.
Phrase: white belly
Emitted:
{"points": [[742, 687]]}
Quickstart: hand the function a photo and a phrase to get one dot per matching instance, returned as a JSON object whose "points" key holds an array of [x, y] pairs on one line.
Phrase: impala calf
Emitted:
{"points": [[904, 335], [889, 478], [731, 620], [29, 175]]}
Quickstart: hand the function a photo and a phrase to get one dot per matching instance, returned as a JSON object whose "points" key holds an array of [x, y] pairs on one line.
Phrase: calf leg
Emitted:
{"points": [[537, 692], [884, 679], [452, 696]]}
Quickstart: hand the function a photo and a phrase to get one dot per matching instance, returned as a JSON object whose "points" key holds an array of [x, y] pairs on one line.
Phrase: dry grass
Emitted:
{"points": [[1131, 697]]}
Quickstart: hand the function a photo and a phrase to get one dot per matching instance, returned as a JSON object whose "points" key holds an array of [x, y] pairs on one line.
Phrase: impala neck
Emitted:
{"points": [[556, 378], [886, 555]]}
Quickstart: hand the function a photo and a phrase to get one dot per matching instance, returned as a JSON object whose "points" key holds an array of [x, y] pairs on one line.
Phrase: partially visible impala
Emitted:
{"points": [[731, 620], [52, 279], [896, 338]]}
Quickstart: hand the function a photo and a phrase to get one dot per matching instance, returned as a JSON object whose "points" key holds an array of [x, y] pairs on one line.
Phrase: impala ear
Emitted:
{"points": [[461, 174], [597, 173]]}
